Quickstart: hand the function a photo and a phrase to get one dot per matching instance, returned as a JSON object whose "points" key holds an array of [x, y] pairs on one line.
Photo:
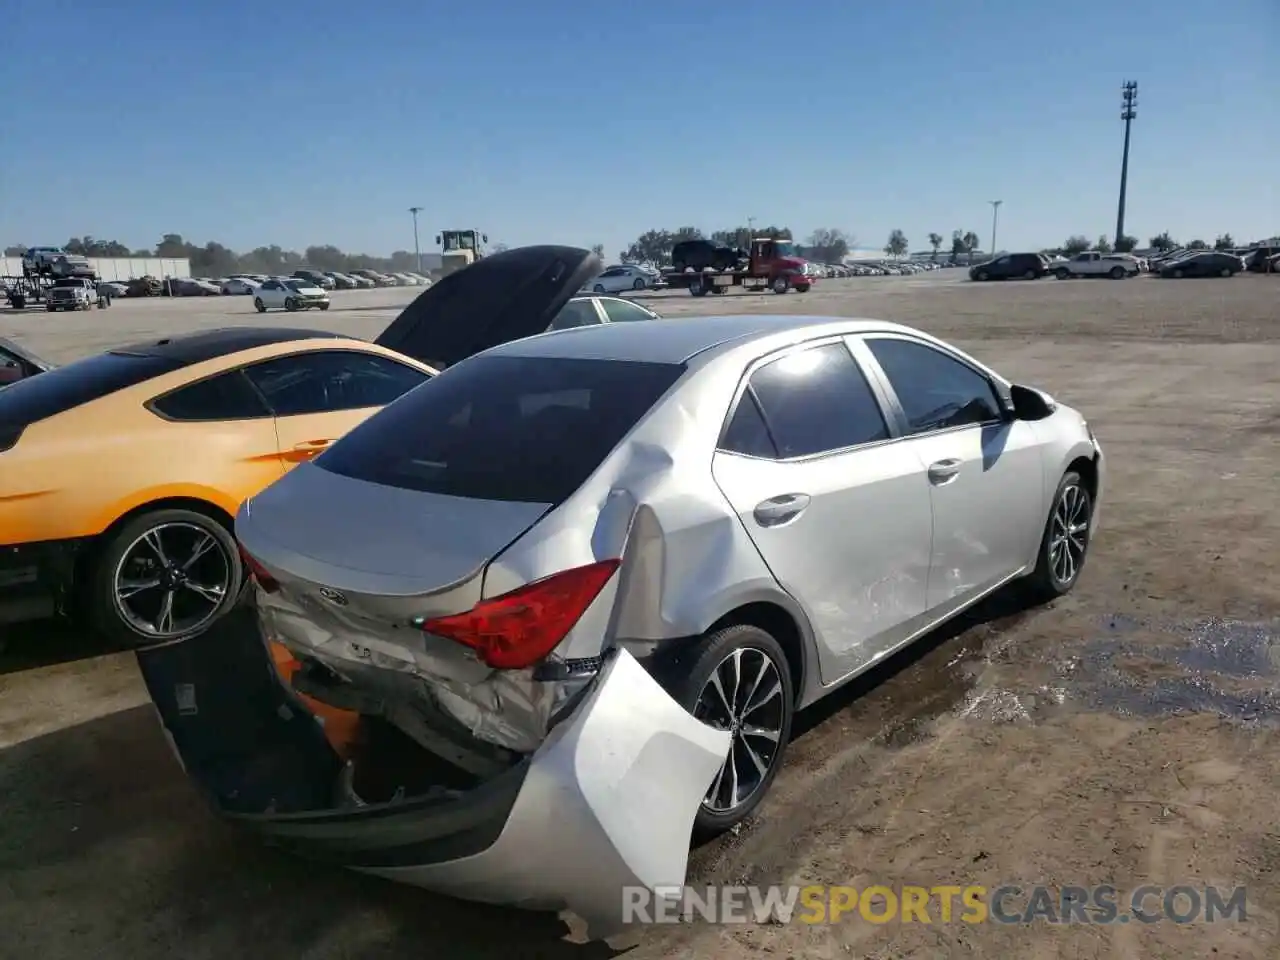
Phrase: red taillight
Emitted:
{"points": [[519, 628], [258, 573]]}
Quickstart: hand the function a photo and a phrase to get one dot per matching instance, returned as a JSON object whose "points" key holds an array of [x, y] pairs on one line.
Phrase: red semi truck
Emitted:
{"points": [[772, 264]]}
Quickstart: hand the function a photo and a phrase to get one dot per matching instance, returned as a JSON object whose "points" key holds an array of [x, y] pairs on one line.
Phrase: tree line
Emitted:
{"points": [[213, 259], [1161, 241]]}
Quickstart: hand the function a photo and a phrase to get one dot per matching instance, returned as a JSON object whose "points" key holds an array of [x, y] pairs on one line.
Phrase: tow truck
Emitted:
{"points": [[25, 290], [771, 264]]}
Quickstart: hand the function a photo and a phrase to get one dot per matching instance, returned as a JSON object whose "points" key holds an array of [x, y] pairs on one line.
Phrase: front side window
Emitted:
{"points": [[817, 400], [323, 381], [936, 391]]}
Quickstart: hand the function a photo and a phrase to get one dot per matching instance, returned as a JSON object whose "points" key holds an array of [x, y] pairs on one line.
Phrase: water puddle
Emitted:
{"points": [[1146, 668]]}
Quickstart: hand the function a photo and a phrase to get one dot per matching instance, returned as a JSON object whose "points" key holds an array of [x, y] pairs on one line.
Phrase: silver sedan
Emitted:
{"points": [[578, 585]]}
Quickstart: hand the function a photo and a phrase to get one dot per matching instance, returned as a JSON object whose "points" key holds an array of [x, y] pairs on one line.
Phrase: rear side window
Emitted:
{"points": [[228, 396], [503, 428], [62, 388], [747, 432], [817, 400]]}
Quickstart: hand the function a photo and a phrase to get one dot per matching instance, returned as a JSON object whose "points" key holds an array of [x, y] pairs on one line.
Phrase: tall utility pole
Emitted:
{"points": [[417, 254], [1128, 110], [995, 218]]}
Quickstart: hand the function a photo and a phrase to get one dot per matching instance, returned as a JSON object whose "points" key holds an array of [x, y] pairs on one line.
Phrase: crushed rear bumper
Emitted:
{"points": [[605, 803]]}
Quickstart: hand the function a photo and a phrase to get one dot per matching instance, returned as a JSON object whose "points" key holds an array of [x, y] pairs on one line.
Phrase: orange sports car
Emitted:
{"points": [[120, 473]]}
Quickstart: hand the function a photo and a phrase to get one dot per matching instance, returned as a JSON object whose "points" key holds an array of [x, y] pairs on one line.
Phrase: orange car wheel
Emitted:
{"points": [[164, 575]]}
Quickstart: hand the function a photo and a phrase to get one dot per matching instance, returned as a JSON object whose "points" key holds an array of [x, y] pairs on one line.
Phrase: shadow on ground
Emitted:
{"points": [[45, 643]]}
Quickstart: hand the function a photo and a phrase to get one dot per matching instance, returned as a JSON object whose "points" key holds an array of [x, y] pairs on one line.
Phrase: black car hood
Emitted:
{"points": [[502, 297]]}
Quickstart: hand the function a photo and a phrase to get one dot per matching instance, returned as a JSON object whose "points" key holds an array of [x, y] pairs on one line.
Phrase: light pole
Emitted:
{"points": [[995, 219], [1128, 112], [417, 254]]}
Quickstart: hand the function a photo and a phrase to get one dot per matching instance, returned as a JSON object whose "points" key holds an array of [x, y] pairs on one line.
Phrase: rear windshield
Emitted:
{"points": [[519, 429], [58, 390]]}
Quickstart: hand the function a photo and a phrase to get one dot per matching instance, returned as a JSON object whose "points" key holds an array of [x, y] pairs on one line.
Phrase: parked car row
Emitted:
{"points": [[880, 268], [1175, 264], [244, 284], [553, 595], [1033, 266]]}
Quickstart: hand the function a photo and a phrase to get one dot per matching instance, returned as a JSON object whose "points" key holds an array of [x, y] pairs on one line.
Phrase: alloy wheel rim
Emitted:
{"points": [[171, 580], [1069, 534], [743, 697]]}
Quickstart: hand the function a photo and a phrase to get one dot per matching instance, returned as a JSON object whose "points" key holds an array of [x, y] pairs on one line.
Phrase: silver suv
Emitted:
{"points": [[55, 262]]}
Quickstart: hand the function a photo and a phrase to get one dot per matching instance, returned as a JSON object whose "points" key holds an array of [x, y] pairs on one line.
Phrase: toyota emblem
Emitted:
{"points": [[333, 596]]}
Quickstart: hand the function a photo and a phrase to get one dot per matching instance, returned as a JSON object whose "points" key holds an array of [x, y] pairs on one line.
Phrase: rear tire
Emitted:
{"points": [[126, 559], [1064, 545], [769, 706], [259, 305], [1117, 273]]}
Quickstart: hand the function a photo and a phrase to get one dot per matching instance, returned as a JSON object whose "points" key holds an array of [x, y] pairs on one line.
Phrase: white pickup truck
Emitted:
{"points": [[1091, 263], [71, 293]]}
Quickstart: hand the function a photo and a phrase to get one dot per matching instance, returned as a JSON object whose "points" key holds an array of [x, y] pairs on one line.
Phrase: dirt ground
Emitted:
{"points": [[1126, 735]]}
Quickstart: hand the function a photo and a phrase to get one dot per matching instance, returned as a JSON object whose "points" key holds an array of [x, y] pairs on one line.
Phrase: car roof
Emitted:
{"points": [[186, 349], [678, 341]]}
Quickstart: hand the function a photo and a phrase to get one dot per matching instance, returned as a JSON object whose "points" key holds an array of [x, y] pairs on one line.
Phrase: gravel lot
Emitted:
{"points": [[1124, 735]]}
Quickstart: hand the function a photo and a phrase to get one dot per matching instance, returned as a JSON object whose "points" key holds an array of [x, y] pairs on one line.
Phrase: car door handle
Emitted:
{"points": [[943, 471], [779, 510], [311, 448]]}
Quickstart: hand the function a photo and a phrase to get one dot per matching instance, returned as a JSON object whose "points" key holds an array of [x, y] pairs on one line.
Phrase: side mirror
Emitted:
{"points": [[1030, 403], [437, 240]]}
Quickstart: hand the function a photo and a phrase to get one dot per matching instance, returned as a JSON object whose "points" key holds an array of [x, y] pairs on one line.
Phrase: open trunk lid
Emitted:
{"points": [[505, 296]]}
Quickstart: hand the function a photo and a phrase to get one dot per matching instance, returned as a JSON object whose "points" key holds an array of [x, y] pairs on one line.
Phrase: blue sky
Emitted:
{"points": [[566, 121]]}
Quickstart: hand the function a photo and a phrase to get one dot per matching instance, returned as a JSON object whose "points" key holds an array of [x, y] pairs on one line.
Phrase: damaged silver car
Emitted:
{"points": [[569, 594]]}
